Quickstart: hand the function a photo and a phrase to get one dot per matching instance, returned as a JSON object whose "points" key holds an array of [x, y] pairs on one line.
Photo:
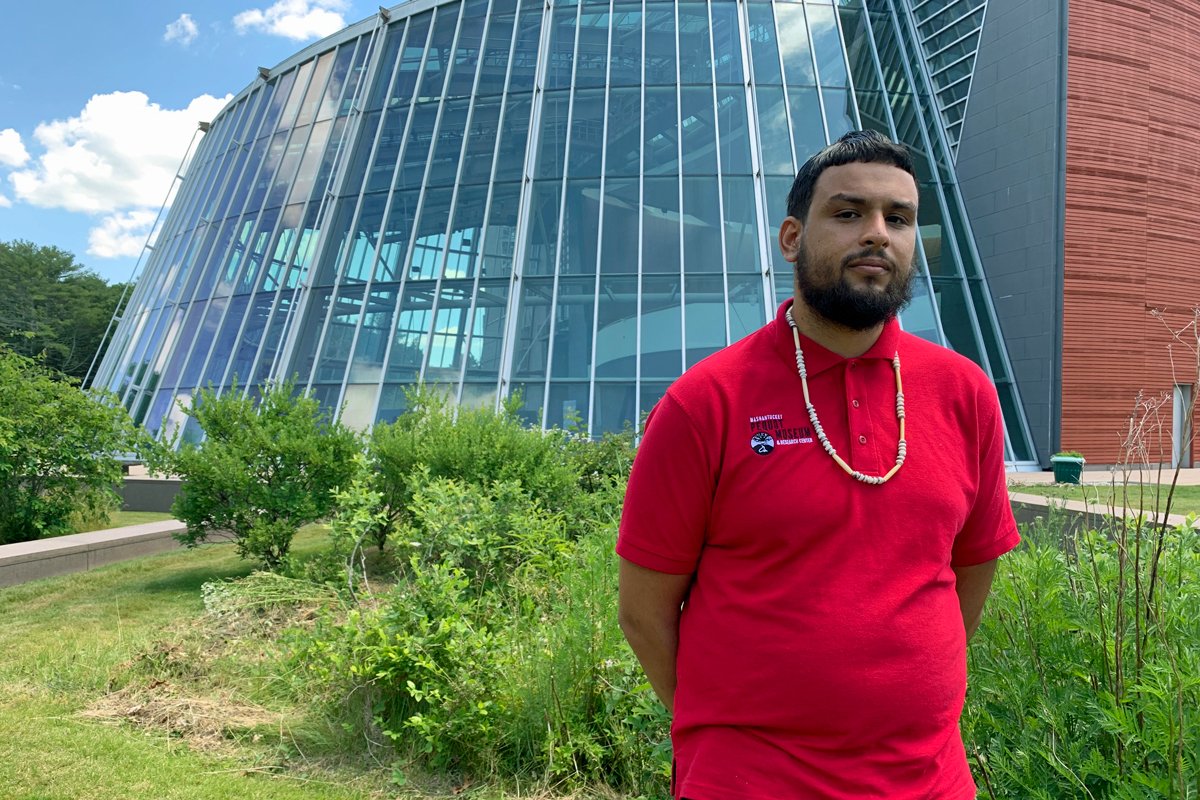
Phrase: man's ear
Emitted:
{"points": [[789, 238]]}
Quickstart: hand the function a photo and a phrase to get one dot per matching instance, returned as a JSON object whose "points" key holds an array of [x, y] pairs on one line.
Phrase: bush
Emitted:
{"points": [[498, 653], [263, 470], [474, 445], [1085, 675], [58, 448]]}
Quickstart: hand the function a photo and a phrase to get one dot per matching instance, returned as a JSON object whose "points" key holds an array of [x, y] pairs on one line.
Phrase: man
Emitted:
{"points": [[799, 581]]}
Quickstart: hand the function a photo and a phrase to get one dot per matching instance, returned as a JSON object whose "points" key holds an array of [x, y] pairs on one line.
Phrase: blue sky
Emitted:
{"points": [[97, 107]]}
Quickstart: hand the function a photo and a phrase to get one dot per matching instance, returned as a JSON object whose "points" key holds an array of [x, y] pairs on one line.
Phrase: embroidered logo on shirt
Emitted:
{"points": [[762, 443], [769, 431]]}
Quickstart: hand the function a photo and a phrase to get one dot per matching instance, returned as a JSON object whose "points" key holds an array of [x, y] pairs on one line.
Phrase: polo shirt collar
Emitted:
{"points": [[817, 359]]}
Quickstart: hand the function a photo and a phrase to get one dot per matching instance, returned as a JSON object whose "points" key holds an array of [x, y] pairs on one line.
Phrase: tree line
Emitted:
{"points": [[52, 308]]}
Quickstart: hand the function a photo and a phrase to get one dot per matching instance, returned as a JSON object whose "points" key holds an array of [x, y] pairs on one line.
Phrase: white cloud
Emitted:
{"points": [[12, 149], [182, 30], [122, 234], [295, 19], [120, 153], [5, 202]]}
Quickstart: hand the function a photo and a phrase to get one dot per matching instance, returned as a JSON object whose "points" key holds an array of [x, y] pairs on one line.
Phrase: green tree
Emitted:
{"points": [[52, 307], [57, 450], [263, 469]]}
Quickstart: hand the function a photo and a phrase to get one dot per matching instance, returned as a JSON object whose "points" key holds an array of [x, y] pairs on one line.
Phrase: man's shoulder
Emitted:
{"points": [[728, 367], [932, 361]]}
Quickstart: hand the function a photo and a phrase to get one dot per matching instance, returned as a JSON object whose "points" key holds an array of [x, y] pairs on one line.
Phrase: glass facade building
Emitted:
{"points": [[575, 201]]}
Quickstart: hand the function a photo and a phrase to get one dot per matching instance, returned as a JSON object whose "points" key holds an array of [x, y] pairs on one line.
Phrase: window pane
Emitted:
{"points": [[764, 55], [487, 332], [695, 54], [495, 56], [698, 129], [430, 236], [660, 47], [411, 174], [704, 316], [510, 160], [369, 350], [773, 132], [466, 52], [793, 44], [702, 226], [551, 149], [568, 406], [481, 141], [410, 61], [734, 135], [591, 59], [501, 234], [839, 113], [587, 134], [625, 63], [620, 245], [616, 333], [615, 406], [448, 149], [660, 225], [437, 60], [561, 55], [661, 345], [339, 335], [580, 228], [412, 332], [661, 122], [573, 328], [449, 339], [624, 132], [828, 45], [543, 228], [746, 309], [741, 224], [524, 57], [393, 245], [533, 331], [727, 43], [462, 254]]}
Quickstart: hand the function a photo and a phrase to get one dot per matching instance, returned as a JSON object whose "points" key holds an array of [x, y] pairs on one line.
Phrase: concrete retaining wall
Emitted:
{"points": [[148, 494], [30, 561]]}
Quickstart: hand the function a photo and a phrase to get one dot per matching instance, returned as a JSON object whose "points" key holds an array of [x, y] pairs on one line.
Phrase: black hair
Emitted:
{"points": [[868, 147]]}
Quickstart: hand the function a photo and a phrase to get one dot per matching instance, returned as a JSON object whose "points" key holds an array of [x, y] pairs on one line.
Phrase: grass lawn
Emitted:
{"points": [[1186, 500], [119, 519], [65, 641]]}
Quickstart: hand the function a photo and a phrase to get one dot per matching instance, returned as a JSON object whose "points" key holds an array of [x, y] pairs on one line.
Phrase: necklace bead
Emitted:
{"points": [[901, 446]]}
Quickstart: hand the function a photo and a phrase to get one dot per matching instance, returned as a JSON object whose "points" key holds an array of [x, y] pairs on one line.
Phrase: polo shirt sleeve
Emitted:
{"points": [[990, 530], [669, 497]]}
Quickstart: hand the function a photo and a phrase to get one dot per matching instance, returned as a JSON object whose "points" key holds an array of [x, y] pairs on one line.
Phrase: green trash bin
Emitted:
{"points": [[1067, 469]]}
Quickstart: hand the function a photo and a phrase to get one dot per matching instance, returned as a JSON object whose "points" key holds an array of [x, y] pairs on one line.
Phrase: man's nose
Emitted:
{"points": [[875, 230]]}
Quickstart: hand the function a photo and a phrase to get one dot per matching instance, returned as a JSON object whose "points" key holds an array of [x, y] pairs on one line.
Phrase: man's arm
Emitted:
{"points": [[649, 615], [973, 584]]}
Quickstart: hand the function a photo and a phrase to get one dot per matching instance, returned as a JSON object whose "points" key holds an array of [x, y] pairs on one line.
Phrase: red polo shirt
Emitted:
{"points": [[821, 646]]}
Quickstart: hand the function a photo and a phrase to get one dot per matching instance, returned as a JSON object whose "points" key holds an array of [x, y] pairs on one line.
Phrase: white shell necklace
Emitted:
{"points": [[901, 447]]}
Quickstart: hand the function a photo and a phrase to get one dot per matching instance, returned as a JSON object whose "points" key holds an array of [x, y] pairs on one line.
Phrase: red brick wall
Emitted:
{"points": [[1132, 234]]}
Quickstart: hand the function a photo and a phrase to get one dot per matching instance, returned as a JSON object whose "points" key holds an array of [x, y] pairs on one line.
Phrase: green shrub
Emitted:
{"points": [[474, 445], [58, 448], [498, 654], [263, 469], [1085, 676]]}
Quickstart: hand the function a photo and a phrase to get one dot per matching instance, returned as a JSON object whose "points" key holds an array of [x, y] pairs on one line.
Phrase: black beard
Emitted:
{"points": [[841, 303]]}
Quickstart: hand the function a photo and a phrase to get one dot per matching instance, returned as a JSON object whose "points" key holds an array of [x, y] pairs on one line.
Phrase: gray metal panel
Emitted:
{"points": [[1010, 171]]}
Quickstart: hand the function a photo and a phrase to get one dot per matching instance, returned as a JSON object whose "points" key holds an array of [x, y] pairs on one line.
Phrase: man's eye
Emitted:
{"points": [[898, 220], [847, 214]]}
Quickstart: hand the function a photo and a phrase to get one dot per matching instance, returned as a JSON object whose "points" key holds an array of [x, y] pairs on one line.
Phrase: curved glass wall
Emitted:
{"points": [[575, 201]]}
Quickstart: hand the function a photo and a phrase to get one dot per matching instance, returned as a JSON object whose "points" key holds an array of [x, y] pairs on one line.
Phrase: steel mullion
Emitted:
{"points": [[591, 415]]}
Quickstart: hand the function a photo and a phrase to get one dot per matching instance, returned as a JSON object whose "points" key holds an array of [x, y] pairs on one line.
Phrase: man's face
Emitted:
{"points": [[854, 250]]}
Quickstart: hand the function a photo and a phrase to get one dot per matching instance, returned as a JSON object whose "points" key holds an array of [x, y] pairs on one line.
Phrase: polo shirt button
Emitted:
{"points": [[862, 440], [855, 402], [853, 364]]}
